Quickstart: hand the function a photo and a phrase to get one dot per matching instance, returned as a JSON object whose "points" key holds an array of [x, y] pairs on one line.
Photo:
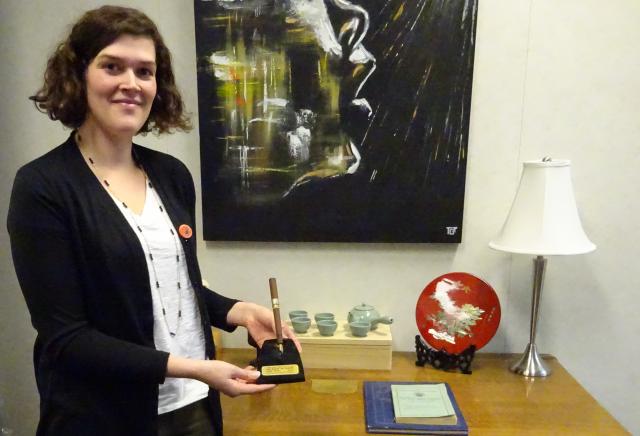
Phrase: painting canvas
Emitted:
{"points": [[334, 120]]}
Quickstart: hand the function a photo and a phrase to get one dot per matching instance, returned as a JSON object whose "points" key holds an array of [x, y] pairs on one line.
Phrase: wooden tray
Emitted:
{"points": [[345, 351]]}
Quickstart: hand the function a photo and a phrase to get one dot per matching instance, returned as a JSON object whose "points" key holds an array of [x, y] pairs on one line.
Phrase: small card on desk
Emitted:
{"points": [[425, 403]]}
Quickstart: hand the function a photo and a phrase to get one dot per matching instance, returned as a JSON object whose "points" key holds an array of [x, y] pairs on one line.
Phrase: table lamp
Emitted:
{"points": [[543, 221]]}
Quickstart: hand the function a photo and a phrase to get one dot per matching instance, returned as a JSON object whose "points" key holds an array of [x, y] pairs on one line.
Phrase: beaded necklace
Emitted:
{"points": [[132, 216]]}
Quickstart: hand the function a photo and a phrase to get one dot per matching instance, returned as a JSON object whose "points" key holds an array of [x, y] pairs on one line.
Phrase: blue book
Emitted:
{"points": [[379, 417]]}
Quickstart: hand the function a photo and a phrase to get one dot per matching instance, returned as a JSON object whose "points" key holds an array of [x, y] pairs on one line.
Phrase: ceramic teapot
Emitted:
{"points": [[367, 313]]}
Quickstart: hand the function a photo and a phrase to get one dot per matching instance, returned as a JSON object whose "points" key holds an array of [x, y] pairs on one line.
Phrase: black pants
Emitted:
{"points": [[192, 420]]}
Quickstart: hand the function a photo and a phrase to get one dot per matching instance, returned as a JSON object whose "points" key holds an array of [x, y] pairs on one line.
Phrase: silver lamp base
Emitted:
{"points": [[531, 364]]}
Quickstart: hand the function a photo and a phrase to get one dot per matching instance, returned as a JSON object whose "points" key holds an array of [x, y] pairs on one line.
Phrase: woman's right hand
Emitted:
{"points": [[229, 379]]}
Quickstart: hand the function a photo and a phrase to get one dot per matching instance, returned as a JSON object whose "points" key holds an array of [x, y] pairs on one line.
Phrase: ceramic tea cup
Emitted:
{"points": [[324, 316], [327, 327], [359, 328], [298, 314], [301, 324]]}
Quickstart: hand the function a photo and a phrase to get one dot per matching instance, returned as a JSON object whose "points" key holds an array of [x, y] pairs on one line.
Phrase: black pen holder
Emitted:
{"points": [[277, 366]]}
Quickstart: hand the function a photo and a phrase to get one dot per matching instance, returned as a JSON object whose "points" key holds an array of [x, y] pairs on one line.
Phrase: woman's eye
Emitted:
{"points": [[145, 72], [112, 67]]}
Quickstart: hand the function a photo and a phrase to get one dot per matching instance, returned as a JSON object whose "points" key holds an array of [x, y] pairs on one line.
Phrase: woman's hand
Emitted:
{"points": [[230, 379], [222, 376], [258, 320]]}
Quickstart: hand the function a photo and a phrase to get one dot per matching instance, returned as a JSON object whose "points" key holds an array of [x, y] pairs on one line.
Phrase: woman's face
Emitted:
{"points": [[121, 85]]}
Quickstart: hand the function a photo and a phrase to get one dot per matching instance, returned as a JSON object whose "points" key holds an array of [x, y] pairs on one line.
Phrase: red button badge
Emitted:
{"points": [[185, 231]]}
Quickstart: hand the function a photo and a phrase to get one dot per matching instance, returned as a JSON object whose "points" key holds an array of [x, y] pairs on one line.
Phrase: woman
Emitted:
{"points": [[104, 249]]}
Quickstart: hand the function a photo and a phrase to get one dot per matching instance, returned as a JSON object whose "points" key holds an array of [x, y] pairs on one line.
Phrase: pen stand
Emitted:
{"points": [[442, 360], [277, 366]]}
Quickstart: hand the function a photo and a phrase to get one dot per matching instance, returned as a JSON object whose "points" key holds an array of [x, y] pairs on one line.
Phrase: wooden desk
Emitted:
{"points": [[493, 400]]}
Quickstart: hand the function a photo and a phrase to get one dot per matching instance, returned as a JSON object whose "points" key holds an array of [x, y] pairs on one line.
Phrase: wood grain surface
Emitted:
{"points": [[493, 400]]}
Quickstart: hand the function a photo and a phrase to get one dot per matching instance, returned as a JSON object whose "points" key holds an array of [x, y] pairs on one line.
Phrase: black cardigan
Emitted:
{"points": [[84, 277]]}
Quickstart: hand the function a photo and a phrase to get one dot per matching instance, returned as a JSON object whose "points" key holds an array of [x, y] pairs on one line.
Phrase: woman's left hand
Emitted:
{"points": [[259, 322]]}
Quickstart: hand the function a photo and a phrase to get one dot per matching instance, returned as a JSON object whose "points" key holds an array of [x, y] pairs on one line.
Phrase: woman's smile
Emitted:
{"points": [[127, 102]]}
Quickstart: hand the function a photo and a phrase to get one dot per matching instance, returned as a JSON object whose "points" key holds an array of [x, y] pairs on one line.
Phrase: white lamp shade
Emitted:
{"points": [[544, 218]]}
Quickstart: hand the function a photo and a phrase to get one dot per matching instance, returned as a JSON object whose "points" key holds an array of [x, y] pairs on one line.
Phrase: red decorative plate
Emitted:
{"points": [[457, 310]]}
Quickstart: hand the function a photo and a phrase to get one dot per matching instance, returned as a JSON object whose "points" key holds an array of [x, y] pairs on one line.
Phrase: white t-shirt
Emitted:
{"points": [[189, 338]]}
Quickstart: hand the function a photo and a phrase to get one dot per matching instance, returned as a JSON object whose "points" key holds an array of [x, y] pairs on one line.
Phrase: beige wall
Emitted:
{"points": [[552, 77]]}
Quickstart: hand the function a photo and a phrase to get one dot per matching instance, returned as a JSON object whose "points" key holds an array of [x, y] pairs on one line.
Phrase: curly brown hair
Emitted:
{"points": [[63, 94]]}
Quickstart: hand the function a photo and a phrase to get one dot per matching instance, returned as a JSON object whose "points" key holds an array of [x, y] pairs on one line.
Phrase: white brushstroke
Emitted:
{"points": [[277, 102], [251, 5], [221, 62], [354, 166], [299, 144], [299, 139], [442, 336], [313, 13]]}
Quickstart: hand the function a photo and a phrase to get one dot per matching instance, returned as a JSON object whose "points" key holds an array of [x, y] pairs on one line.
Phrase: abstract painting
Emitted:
{"points": [[334, 120]]}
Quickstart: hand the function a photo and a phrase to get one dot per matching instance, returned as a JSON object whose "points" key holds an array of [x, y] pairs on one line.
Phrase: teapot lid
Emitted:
{"points": [[363, 306]]}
